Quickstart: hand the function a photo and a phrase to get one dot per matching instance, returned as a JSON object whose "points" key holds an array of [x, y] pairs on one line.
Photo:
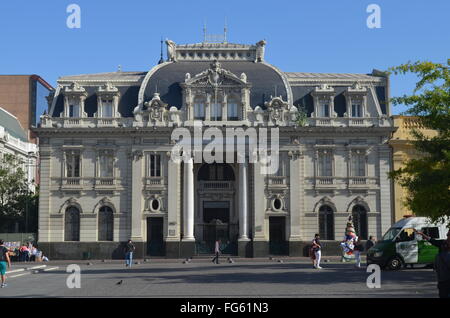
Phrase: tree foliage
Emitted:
{"points": [[428, 179], [15, 198]]}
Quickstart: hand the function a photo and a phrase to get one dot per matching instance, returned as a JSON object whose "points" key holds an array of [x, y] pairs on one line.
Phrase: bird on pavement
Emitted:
{"points": [[119, 282]]}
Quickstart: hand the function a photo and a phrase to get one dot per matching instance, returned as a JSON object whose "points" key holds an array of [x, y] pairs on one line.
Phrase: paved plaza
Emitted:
{"points": [[201, 278]]}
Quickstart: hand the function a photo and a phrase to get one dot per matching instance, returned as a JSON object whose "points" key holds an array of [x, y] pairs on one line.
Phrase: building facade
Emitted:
{"points": [[14, 141], [402, 151], [108, 172]]}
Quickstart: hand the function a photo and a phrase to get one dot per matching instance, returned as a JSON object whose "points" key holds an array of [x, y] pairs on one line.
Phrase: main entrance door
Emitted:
{"points": [[277, 236], [155, 234], [216, 226]]}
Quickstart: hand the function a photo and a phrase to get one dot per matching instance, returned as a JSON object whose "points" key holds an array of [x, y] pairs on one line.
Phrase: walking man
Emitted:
{"points": [[357, 250], [370, 243], [441, 264], [316, 247], [4, 260], [217, 252], [129, 249]]}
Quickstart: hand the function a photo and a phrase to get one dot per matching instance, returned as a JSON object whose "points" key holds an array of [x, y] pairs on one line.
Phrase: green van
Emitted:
{"points": [[401, 246]]}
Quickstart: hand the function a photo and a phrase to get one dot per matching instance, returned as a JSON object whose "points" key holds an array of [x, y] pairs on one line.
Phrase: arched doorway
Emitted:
{"points": [[359, 216], [326, 223], [105, 224], [72, 224], [215, 202]]}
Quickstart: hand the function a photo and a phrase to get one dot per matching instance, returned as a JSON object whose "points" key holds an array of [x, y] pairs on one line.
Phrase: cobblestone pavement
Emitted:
{"points": [[201, 278]]}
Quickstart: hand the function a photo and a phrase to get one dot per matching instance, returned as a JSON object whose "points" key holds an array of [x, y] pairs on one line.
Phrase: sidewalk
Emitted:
{"points": [[198, 259]]}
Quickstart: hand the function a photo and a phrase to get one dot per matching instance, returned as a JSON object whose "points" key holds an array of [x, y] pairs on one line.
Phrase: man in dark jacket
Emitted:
{"points": [[129, 249], [442, 263]]}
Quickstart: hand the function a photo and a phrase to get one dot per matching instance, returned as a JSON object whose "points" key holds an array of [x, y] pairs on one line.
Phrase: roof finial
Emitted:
{"points": [[119, 68], [161, 60], [225, 30], [204, 31]]}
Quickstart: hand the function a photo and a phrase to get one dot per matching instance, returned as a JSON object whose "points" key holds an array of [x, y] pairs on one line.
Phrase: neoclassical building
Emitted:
{"points": [[108, 172]]}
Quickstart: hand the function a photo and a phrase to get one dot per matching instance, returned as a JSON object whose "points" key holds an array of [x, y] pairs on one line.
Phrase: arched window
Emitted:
{"points": [[232, 110], [72, 224], [199, 110], [105, 224], [359, 215], [326, 223]]}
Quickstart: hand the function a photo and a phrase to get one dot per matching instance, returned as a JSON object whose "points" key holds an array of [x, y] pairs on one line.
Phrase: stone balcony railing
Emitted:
{"points": [[350, 122], [215, 185], [277, 181], [94, 122]]}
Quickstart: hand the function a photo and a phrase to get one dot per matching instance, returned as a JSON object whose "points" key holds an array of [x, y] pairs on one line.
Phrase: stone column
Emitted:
{"points": [[188, 246], [188, 200], [243, 241], [136, 196], [243, 205], [260, 237], [295, 248], [173, 211]]}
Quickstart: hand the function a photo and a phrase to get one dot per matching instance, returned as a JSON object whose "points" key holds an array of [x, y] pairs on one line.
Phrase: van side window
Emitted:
{"points": [[406, 235], [433, 232]]}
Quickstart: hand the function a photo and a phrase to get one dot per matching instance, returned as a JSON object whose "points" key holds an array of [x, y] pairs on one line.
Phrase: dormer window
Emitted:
{"points": [[357, 110], [324, 109], [74, 110], [232, 110], [107, 108], [199, 110], [216, 111]]}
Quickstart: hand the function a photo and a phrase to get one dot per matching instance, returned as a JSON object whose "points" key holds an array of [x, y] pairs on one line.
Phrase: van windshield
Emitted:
{"points": [[391, 233]]}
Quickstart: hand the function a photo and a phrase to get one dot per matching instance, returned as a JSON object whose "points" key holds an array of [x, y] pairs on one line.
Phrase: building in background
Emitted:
{"points": [[14, 141], [107, 174], [26, 97], [402, 151]]}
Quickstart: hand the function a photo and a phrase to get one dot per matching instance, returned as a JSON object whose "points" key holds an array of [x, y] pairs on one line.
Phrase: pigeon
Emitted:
{"points": [[137, 263], [119, 282], [280, 261], [89, 264]]}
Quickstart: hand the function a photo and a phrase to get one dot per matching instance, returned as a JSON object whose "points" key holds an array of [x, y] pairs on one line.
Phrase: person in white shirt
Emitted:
{"points": [[217, 252]]}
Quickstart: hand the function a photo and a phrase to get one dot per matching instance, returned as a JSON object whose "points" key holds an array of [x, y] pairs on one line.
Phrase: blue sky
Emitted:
{"points": [[302, 36]]}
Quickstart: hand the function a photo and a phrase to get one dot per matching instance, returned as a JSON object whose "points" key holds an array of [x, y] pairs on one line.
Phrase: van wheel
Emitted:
{"points": [[394, 263]]}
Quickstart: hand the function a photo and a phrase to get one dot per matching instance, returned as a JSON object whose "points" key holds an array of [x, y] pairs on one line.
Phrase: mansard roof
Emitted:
{"points": [[103, 77], [264, 79]]}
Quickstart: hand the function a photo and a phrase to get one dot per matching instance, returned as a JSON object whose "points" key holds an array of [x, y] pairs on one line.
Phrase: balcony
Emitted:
{"points": [[71, 183], [276, 181], [215, 185], [153, 182]]}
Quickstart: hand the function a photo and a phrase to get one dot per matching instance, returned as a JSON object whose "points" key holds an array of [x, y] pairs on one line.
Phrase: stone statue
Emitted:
{"points": [[171, 56], [260, 50]]}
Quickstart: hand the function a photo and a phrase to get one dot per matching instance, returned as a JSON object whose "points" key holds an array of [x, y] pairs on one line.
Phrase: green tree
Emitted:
{"points": [[428, 179], [17, 203]]}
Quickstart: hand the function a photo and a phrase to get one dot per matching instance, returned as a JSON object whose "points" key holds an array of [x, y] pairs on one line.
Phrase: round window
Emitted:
{"points": [[277, 205], [154, 205]]}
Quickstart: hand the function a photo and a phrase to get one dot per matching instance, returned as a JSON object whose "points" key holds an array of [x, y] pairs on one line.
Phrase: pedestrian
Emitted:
{"points": [[357, 250], [129, 249], [316, 247], [216, 252], [441, 263], [4, 261], [370, 243]]}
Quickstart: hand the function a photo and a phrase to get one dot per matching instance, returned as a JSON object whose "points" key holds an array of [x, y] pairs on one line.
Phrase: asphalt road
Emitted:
{"points": [[201, 278]]}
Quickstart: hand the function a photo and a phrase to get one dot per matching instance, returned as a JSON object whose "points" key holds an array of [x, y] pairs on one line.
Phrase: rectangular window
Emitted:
{"points": [[358, 165], [325, 164], [107, 108], [199, 111], [74, 111], [324, 110], [356, 110], [73, 165], [216, 111], [106, 166], [232, 111], [154, 165]]}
